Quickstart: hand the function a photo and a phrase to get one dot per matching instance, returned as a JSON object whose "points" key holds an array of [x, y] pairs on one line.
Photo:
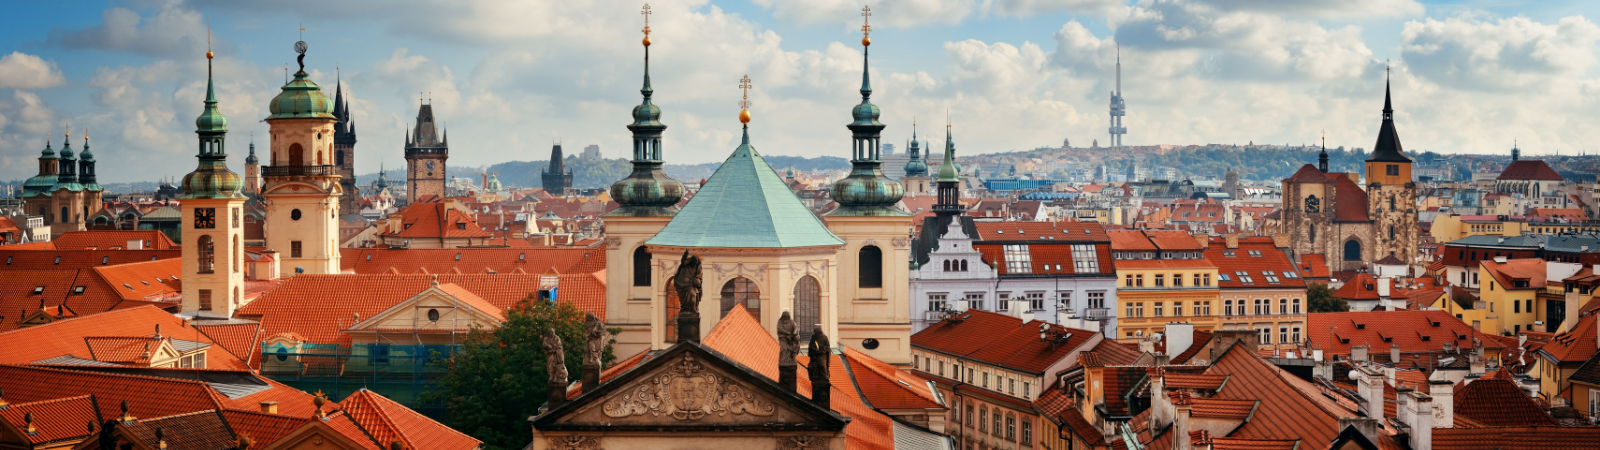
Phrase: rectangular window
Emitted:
{"points": [[1266, 335], [1002, 301], [1208, 279], [1011, 428], [1297, 306], [1391, 170], [1017, 259], [969, 374], [996, 421], [986, 379], [975, 300], [294, 249], [1177, 309], [1128, 281], [1283, 306], [1027, 433], [1156, 309], [1530, 305], [1161, 280], [936, 302], [1272, 278], [380, 355], [1138, 280], [1084, 259], [1177, 280], [236, 217], [1097, 299], [1011, 386], [1296, 334], [1244, 277], [1283, 334], [1138, 309], [1207, 311], [1035, 301], [1025, 391], [1129, 313], [1516, 306], [205, 299], [941, 368]]}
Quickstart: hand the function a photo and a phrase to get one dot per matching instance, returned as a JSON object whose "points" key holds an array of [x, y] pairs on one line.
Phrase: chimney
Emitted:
{"points": [[1367, 426], [1443, 392], [1161, 406], [1369, 386], [1358, 353], [1147, 344], [269, 407], [1231, 240], [1419, 418], [1180, 336], [1204, 240], [1574, 303], [1394, 353], [1402, 400], [1280, 240], [135, 244], [821, 354], [1182, 405], [1321, 367]]}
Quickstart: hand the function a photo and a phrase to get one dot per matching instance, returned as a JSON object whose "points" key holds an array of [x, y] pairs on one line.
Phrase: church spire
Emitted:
{"points": [[211, 179], [1322, 157], [866, 191], [647, 191], [1388, 148]]}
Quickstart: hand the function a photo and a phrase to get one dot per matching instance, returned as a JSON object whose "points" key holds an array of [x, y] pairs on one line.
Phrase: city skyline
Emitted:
{"points": [[1016, 75]]}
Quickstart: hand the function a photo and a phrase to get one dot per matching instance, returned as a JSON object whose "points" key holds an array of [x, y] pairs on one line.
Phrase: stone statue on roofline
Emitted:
{"points": [[687, 282], [555, 357], [819, 352], [594, 341], [788, 340]]}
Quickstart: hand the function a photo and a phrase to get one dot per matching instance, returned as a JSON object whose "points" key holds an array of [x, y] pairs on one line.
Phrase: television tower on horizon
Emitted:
{"points": [[1118, 108]]}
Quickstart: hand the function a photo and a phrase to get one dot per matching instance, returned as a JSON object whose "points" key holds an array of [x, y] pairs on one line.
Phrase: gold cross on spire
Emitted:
{"points": [[866, 21], [744, 85], [646, 13]]}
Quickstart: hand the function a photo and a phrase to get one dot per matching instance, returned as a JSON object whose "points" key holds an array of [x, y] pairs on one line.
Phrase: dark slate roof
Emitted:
{"points": [[1573, 243], [928, 236], [1523, 241], [1388, 148], [1529, 169]]}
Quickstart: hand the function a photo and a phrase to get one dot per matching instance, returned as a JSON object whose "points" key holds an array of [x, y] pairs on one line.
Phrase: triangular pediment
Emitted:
{"points": [[434, 308], [691, 387]]}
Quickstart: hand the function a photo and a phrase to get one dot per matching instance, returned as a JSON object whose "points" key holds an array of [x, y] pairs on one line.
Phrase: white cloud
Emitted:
{"points": [[26, 121], [1326, 8], [173, 31], [1242, 44], [906, 13], [23, 71], [1509, 53]]}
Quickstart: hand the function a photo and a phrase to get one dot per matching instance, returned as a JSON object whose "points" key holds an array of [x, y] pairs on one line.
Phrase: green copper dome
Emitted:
{"points": [[40, 184], [948, 171], [211, 119], [48, 152], [211, 178], [251, 158], [866, 191], [916, 167], [300, 99], [647, 191], [67, 173]]}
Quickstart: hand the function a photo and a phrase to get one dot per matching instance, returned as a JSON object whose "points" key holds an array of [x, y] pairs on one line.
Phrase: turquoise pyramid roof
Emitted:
{"points": [[745, 204]]}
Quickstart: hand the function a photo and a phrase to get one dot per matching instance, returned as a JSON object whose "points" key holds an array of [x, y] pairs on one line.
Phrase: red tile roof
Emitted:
{"points": [[1290, 408], [243, 340], [113, 240], [1224, 408], [387, 421], [886, 387], [1362, 287], [1000, 340], [1272, 260], [1529, 169], [198, 430], [1516, 438], [1314, 265], [1130, 241], [1576, 345], [1530, 271], [1307, 174], [1037, 231], [136, 350], [1567, 213], [17, 298], [14, 259], [340, 298], [435, 220], [1351, 200], [531, 261], [67, 337], [1048, 259], [1496, 401], [1176, 380], [144, 280], [263, 429], [55, 420], [147, 396], [1403, 328]]}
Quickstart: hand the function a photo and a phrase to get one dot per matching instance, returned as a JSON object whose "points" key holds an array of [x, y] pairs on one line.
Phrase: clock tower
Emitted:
{"points": [[426, 152], [213, 254], [302, 185]]}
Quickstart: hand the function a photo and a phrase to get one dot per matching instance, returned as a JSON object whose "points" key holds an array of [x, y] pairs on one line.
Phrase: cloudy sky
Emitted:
{"points": [[510, 77]]}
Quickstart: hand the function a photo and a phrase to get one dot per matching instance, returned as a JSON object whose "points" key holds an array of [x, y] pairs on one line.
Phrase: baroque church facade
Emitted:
{"points": [[65, 191], [761, 248], [1334, 215]]}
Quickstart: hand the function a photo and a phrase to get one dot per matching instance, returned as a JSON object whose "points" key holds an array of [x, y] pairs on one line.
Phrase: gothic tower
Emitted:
{"points": [[252, 170], [916, 181], [1391, 195], [213, 252], [557, 178], [872, 291], [648, 199], [302, 185], [426, 152], [344, 151]]}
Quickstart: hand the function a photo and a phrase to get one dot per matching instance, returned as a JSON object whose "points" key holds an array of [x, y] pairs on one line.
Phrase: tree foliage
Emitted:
{"points": [[1320, 299], [495, 381]]}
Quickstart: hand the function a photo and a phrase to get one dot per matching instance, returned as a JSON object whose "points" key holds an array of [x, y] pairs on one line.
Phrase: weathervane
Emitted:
{"points": [[301, 47]]}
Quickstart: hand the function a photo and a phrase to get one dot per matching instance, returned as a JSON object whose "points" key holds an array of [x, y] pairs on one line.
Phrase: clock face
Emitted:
{"points": [[205, 218], [1313, 204], [430, 165]]}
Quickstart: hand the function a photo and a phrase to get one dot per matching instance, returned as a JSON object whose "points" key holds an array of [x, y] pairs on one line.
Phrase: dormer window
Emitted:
{"points": [[77, 290], [38, 290]]}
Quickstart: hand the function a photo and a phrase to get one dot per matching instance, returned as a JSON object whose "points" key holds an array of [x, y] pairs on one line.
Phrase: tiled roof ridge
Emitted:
{"points": [[382, 416], [262, 414], [187, 414], [69, 319], [53, 400], [113, 373]]}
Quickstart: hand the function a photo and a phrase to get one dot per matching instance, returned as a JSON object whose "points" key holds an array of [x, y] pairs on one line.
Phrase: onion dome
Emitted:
{"points": [[67, 170], [211, 178], [916, 167], [866, 191], [86, 170], [301, 98], [647, 191], [494, 183], [40, 184], [251, 159]]}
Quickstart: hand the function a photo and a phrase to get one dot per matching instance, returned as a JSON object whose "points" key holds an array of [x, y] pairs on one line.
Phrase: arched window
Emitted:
{"points": [[1352, 250], [208, 254], [238, 253], [297, 155], [641, 266], [963, 265], [319, 157], [807, 307], [741, 291], [871, 270], [1227, 307], [1312, 234], [946, 265]]}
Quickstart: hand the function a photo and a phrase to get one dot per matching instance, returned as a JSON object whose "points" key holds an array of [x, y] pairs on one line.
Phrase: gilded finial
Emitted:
{"points": [[646, 13], [209, 55], [744, 105], [866, 26]]}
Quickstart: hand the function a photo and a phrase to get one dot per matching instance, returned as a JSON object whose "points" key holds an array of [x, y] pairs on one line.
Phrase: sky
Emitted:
{"points": [[510, 78]]}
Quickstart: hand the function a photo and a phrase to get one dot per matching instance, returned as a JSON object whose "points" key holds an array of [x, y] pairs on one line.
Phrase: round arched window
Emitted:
{"points": [[869, 344], [294, 215], [433, 315], [283, 354]]}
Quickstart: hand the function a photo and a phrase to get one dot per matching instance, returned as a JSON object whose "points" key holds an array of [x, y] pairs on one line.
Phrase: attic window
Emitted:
{"points": [[1223, 277], [1228, 253], [77, 290], [8, 260], [127, 286], [1290, 275], [174, 278], [1361, 326], [1021, 232], [143, 282], [1086, 231], [461, 225], [152, 257], [1255, 253], [58, 260], [458, 256], [1426, 338], [1434, 323], [999, 231], [522, 257], [38, 290], [104, 260]]}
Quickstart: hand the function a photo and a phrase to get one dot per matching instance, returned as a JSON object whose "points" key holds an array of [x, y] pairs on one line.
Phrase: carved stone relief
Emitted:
{"points": [[613, 243], [796, 270], [759, 272], [686, 391], [902, 243], [802, 443], [574, 443]]}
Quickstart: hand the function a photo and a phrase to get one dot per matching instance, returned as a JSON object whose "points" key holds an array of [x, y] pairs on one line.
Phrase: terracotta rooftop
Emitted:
{"points": [[1516, 438], [1078, 232], [1379, 330], [68, 337], [1529, 169], [1048, 259], [533, 261], [55, 420], [1496, 401], [436, 220], [1363, 287], [1575, 345], [387, 421], [1529, 272], [143, 280], [1000, 340], [885, 387], [13, 259], [147, 396], [1257, 258], [198, 430], [1307, 174], [113, 240]]}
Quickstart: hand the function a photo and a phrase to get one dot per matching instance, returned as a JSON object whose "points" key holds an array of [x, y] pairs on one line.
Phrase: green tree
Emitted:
{"points": [[495, 381], [1320, 299]]}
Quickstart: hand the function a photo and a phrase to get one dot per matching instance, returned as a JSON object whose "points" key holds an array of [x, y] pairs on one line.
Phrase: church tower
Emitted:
{"points": [[873, 296], [252, 170], [648, 199], [303, 185], [916, 181], [426, 152], [213, 252], [557, 178], [1391, 195], [344, 151]]}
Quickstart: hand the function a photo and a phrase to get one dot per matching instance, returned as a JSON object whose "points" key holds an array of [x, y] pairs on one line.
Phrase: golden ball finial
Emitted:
{"points": [[744, 116], [647, 41], [210, 55], [866, 41]]}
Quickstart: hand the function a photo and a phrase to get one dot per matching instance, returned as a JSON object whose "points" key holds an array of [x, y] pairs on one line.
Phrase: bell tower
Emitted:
{"points": [[213, 252], [302, 186], [426, 152]]}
